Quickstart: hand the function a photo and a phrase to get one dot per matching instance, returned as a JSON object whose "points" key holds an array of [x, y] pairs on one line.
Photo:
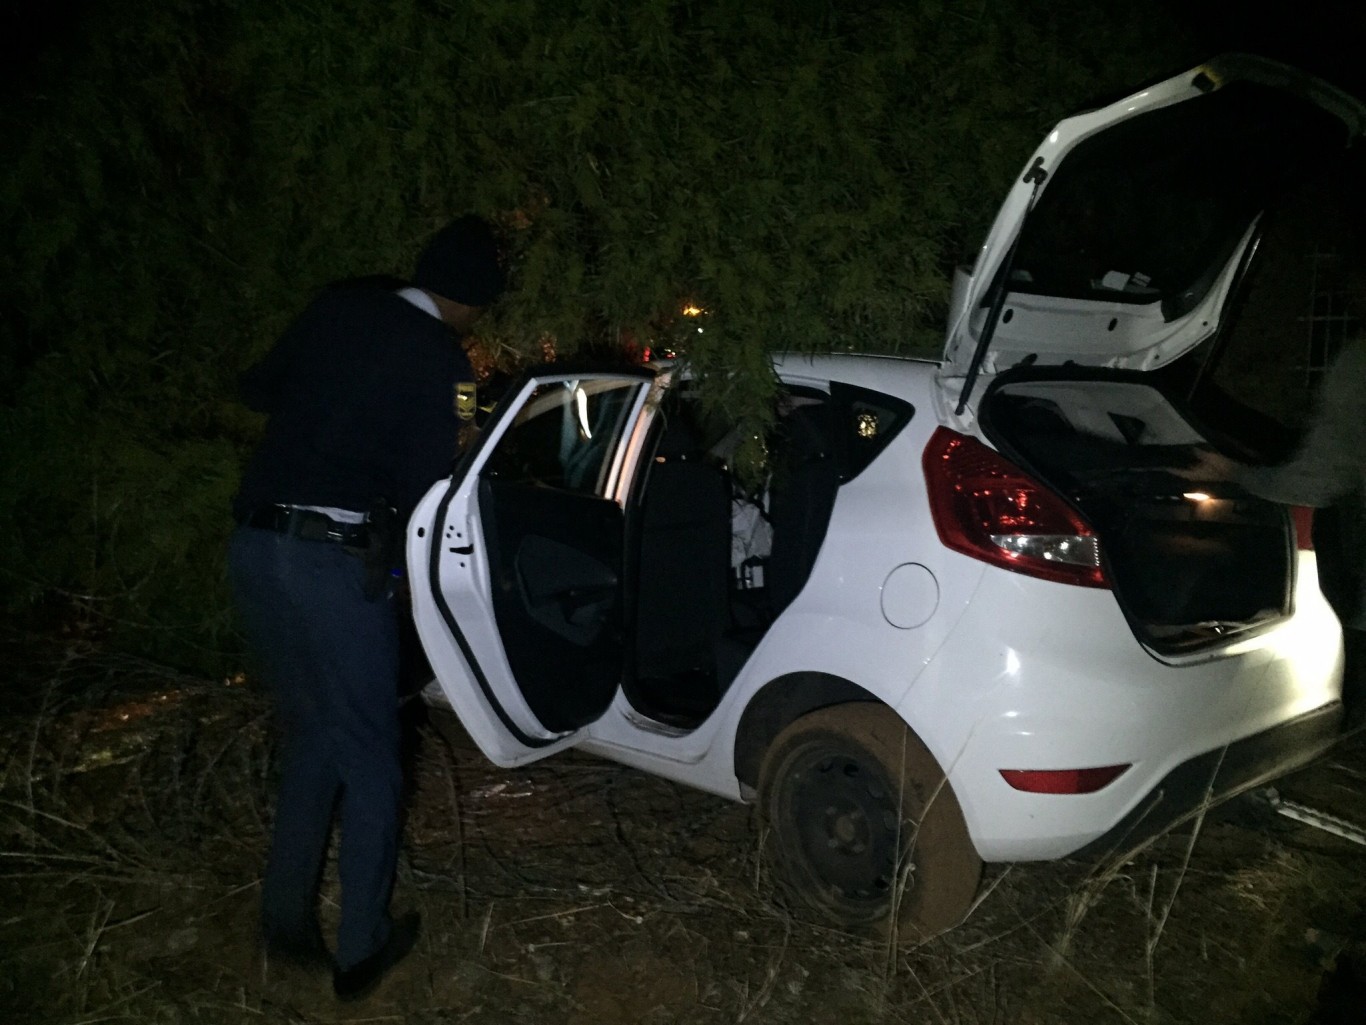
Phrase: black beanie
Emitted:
{"points": [[460, 263]]}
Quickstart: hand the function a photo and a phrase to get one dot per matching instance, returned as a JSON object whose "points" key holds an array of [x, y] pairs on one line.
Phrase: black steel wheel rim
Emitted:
{"points": [[844, 816]]}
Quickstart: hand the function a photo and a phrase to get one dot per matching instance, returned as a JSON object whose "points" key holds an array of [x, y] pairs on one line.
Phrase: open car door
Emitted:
{"points": [[516, 561]]}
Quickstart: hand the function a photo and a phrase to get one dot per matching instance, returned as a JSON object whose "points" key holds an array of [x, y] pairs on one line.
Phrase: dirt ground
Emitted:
{"points": [[133, 809]]}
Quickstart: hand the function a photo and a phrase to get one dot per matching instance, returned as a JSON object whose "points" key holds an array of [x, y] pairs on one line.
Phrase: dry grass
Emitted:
{"points": [[581, 892]]}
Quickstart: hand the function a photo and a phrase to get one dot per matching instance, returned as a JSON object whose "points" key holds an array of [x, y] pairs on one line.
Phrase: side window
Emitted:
{"points": [[565, 435], [865, 422]]}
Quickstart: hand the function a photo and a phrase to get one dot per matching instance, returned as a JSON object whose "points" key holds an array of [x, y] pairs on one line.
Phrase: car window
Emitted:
{"points": [[866, 422], [565, 435]]}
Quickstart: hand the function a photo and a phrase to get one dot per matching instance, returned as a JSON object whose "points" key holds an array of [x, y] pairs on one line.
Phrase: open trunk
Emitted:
{"points": [[1191, 566]]}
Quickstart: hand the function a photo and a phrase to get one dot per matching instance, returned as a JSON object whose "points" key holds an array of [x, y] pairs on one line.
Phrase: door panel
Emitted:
{"points": [[515, 562], [555, 571]]}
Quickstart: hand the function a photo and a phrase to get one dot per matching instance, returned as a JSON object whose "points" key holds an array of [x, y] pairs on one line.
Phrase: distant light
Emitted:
{"points": [[1195, 496], [692, 311]]}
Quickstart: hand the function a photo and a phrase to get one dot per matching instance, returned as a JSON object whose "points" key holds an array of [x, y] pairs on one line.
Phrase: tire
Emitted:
{"points": [[865, 830]]}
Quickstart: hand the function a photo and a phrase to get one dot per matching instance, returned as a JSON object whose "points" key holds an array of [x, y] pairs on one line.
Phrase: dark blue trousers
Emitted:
{"points": [[331, 659]]}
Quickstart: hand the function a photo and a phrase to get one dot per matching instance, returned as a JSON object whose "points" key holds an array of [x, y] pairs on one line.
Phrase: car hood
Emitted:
{"points": [[1121, 241]]}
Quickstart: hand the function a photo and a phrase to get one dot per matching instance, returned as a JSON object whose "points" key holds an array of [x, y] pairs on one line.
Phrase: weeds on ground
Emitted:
{"points": [[133, 812]]}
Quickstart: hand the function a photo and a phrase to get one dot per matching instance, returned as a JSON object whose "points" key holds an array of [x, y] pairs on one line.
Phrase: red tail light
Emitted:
{"points": [[1304, 527], [987, 507]]}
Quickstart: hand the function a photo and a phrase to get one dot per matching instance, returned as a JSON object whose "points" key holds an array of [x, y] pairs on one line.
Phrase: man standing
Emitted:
{"points": [[361, 393], [1328, 468]]}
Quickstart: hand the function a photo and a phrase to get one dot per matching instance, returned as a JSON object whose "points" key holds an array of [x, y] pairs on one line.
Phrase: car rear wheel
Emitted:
{"points": [[865, 829]]}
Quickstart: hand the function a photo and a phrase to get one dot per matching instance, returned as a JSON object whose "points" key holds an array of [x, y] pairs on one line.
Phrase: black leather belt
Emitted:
{"points": [[308, 525]]}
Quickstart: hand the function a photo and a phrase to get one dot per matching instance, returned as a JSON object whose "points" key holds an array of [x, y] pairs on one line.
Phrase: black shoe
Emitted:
{"points": [[360, 980], [304, 949]]}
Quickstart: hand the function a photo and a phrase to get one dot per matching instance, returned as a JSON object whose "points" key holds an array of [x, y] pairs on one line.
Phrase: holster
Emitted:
{"points": [[382, 554]]}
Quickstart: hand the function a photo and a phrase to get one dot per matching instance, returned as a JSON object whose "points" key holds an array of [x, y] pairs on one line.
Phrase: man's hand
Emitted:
{"points": [[1207, 465]]}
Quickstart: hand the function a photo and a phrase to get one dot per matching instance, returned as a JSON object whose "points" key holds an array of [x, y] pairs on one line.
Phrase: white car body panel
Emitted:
{"points": [[1042, 675]]}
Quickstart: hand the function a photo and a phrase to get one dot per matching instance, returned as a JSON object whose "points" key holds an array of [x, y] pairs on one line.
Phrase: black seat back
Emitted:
{"points": [[806, 479], [684, 568]]}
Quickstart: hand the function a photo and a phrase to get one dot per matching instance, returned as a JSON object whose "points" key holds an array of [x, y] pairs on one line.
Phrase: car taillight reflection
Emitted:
{"points": [[987, 507], [1304, 527]]}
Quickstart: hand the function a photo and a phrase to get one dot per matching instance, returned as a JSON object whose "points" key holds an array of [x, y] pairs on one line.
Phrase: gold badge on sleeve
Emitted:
{"points": [[465, 401]]}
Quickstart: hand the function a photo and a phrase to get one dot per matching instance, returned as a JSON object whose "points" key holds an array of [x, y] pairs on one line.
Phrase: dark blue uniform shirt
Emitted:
{"points": [[360, 391]]}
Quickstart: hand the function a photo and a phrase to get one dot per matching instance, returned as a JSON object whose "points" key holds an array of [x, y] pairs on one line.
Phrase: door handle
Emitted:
{"points": [[466, 550]]}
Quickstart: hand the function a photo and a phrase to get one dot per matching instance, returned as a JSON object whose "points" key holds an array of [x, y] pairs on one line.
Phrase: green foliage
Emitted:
{"points": [[183, 174]]}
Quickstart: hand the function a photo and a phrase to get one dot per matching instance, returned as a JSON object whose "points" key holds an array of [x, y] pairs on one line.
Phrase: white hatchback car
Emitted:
{"points": [[971, 617]]}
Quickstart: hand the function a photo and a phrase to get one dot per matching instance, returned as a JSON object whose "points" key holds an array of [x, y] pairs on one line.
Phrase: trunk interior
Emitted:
{"points": [[1192, 565]]}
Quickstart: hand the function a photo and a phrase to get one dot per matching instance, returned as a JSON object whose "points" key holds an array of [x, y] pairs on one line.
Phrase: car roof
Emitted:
{"points": [[880, 372]]}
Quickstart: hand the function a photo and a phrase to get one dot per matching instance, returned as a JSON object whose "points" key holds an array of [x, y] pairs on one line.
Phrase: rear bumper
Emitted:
{"points": [[1042, 676], [1217, 775]]}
